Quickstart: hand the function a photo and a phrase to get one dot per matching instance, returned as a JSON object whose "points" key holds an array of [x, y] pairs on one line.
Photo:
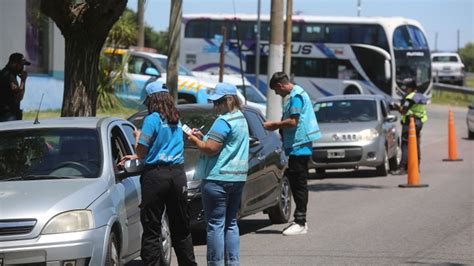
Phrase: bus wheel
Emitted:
{"points": [[352, 90]]}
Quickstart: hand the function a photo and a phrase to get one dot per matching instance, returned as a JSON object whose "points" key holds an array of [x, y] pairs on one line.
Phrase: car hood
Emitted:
{"points": [[43, 198], [329, 129]]}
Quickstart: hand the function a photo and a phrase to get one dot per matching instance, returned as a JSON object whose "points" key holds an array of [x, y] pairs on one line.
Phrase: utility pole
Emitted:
{"points": [[257, 49], [288, 32], [359, 7], [176, 14], [459, 39], [275, 57], [222, 54], [141, 23], [436, 42]]}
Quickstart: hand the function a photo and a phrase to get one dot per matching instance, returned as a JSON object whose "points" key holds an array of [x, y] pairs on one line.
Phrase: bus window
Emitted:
{"points": [[312, 33], [250, 65], [215, 28], [337, 33], [417, 38], [197, 29], [401, 38], [296, 32]]}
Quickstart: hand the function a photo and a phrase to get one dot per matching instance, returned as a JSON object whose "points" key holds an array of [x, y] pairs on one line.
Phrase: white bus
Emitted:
{"points": [[330, 55]]}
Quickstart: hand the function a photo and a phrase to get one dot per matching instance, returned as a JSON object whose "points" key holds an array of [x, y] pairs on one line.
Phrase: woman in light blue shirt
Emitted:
{"points": [[223, 167]]}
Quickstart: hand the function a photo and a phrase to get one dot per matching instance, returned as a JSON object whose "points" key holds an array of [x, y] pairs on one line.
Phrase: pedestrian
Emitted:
{"points": [[163, 183], [412, 105], [11, 93], [223, 167], [299, 129]]}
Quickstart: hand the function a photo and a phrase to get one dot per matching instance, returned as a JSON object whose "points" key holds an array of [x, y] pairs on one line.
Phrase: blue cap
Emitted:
{"points": [[155, 87], [221, 90]]}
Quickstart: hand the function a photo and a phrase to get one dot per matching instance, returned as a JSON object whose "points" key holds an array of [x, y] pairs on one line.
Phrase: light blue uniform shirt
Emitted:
{"points": [[296, 105], [164, 141]]}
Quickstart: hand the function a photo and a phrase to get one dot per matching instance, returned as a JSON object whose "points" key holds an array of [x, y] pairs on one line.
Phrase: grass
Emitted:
{"points": [[470, 82], [121, 112], [452, 98]]}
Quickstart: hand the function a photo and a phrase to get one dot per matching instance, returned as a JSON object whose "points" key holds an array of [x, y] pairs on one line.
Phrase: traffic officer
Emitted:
{"points": [[412, 105], [163, 183], [299, 128]]}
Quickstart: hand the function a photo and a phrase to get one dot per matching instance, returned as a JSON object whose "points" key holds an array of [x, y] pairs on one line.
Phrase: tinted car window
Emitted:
{"points": [[255, 123], [445, 59], [345, 111], [50, 153]]}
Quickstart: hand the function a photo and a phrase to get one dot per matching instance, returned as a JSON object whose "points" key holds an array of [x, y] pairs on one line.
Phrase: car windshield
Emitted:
{"points": [[447, 58], [49, 154], [345, 111], [164, 65], [252, 94]]}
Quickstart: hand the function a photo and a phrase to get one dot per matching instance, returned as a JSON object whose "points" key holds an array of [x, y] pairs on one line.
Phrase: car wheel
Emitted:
{"points": [[383, 168], [470, 134], [395, 160], [166, 239], [113, 253], [280, 213]]}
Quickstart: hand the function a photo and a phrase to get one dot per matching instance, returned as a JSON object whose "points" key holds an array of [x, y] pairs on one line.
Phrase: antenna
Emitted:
{"points": [[37, 112]]}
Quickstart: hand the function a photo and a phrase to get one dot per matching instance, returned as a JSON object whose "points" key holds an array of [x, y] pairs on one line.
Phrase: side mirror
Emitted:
{"points": [[388, 71], [391, 118], [253, 142], [133, 167], [151, 71]]}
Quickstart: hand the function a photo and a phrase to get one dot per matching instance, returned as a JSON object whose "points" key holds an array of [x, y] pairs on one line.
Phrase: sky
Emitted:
{"points": [[444, 17]]}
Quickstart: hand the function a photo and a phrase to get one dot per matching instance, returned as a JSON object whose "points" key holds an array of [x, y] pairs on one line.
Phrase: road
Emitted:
{"points": [[361, 219]]}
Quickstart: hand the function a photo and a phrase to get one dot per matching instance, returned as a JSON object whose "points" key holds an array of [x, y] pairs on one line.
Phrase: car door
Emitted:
{"points": [[121, 144], [261, 186], [389, 129]]}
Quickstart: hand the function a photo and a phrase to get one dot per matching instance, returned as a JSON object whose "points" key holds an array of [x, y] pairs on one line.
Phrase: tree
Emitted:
{"points": [[467, 56], [85, 25]]}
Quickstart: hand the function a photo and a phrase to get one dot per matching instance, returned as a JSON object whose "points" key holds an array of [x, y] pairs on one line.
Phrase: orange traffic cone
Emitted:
{"points": [[413, 174], [452, 150]]}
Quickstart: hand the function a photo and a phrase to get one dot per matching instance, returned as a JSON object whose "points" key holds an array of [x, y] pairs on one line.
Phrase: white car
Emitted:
{"points": [[447, 68], [254, 97]]}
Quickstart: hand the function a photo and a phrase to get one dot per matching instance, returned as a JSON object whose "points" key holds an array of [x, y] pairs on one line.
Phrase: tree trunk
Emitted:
{"points": [[80, 77]]}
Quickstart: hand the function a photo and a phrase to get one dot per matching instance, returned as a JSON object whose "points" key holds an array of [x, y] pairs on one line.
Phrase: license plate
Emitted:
{"points": [[333, 154]]}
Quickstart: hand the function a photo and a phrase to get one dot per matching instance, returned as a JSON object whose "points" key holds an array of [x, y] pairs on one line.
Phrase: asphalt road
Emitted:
{"points": [[357, 218]]}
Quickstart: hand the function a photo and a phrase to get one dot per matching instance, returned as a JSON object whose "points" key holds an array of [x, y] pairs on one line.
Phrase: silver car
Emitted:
{"points": [[357, 130], [470, 121], [63, 201]]}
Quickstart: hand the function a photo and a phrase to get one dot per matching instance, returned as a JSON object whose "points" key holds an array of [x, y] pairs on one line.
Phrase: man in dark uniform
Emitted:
{"points": [[412, 105], [11, 93]]}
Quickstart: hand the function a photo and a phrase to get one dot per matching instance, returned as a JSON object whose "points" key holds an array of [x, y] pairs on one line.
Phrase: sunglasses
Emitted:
{"points": [[220, 101]]}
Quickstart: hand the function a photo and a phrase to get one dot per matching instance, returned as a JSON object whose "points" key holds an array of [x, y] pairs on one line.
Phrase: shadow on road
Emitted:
{"points": [[363, 173], [468, 139], [247, 226], [337, 187]]}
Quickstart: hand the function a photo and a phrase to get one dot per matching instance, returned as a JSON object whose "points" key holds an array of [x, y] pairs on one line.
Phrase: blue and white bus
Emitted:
{"points": [[330, 55]]}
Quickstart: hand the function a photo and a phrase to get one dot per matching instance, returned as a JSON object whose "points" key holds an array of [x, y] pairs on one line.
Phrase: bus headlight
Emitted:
{"points": [[68, 222], [368, 134]]}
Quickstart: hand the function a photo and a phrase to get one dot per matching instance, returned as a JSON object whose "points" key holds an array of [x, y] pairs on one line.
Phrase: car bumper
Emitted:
{"points": [[86, 248], [355, 154]]}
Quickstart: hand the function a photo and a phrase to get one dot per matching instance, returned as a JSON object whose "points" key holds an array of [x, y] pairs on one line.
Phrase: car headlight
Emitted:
{"points": [[69, 222], [368, 134]]}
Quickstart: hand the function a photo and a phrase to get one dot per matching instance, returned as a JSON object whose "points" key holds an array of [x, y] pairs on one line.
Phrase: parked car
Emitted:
{"points": [[470, 121], [247, 93], [266, 189], [357, 130], [143, 66], [447, 68], [63, 201]]}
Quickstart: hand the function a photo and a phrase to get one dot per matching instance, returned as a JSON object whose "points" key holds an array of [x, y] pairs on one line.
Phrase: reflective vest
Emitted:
{"points": [[307, 129], [231, 163], [417, 110]]}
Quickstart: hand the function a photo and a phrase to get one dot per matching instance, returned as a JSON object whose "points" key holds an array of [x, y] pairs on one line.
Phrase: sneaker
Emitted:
{"points": [[295, 229], [400, 171]]}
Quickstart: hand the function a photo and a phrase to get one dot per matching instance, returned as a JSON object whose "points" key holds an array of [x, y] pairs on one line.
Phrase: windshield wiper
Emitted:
{"points": [[43, 177]]}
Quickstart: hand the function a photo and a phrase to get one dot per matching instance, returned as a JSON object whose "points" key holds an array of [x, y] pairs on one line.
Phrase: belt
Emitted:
{"points": [[168, 167]]}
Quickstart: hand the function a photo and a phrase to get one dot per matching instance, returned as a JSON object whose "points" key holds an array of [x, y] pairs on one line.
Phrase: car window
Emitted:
{"points": [[252, 94], [49, 154], [138, 65], [255, 123], [341, 111], [384, 108], [118, 145], [128, 129], [446, 58]]}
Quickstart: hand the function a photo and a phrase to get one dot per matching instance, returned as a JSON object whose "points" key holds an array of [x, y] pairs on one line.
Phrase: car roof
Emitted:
{"points": [[63, 122], [367, 97]]}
